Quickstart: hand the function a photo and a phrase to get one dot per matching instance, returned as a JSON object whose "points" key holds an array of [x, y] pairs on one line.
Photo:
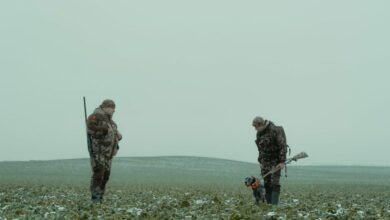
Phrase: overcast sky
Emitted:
{"points": [[188, 77]]}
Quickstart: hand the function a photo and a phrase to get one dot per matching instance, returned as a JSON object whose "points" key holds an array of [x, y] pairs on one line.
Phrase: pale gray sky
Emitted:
{"points": [[189, 76]]}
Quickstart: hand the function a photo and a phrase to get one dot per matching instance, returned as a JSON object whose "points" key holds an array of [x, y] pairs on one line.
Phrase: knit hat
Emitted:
{"points": [[108, 103], [258, 121]]}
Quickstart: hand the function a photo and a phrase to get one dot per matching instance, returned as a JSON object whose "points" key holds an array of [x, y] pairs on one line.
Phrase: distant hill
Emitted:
{"points": [[183, 170]]}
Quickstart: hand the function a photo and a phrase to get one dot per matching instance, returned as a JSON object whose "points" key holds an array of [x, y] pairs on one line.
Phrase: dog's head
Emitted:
{"points": [[249, 181]]}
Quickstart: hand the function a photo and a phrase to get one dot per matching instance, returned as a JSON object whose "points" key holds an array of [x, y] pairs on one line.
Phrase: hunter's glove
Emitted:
{"points": [[115, 150], [119, 135]]}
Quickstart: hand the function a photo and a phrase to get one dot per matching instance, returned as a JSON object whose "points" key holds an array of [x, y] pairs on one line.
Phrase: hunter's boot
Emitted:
{"points": [[268, 195], [96, 197], [275, 198], [102, 193]]}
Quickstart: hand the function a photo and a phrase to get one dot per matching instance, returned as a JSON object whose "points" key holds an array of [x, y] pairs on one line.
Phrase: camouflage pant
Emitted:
{"points": [[271, 182], [101, 169]]}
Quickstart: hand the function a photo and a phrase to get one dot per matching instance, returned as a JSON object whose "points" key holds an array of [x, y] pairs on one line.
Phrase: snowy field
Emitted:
{"points": [[189, 188]]}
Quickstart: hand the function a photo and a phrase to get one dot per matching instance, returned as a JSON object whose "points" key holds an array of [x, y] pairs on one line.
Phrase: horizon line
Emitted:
{"points": [[228, 159]]}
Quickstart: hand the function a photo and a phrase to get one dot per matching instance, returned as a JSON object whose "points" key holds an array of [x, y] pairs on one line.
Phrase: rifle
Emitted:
{"points": [[294, 158], [89, 140], [258, 189]]}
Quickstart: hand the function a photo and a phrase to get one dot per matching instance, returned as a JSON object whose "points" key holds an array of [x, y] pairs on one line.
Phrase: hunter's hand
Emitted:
{"points": [[115, 151], [280, 166], [119, 136]]}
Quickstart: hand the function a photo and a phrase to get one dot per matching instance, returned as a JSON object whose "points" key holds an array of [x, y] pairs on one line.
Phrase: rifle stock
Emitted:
{"points": [[297, 157], [294, 158]]}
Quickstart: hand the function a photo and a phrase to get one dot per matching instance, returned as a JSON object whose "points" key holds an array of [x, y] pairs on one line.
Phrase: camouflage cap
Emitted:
{"points": [[108, 103], [258, 121]]}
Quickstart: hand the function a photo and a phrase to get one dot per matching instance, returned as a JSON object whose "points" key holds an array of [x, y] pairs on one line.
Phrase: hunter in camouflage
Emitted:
{"points": [[104, 138], [272, 147]]}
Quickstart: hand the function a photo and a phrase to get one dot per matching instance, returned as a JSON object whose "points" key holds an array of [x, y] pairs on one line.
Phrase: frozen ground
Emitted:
{"points": [[188, 188]]}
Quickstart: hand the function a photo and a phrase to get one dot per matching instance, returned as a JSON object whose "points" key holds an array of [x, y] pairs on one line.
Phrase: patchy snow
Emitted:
{"points": [[60, 208], [200, 202], [360, 213], [270, 214], [5, 207], [135, 211]]}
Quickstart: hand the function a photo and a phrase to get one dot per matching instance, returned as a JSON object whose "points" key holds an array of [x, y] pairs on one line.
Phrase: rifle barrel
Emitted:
{"points": [[85, 110], [89, 142]]}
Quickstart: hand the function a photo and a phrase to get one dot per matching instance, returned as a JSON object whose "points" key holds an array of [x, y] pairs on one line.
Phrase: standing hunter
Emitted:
{"points": [[104, 137], [271, 143]]}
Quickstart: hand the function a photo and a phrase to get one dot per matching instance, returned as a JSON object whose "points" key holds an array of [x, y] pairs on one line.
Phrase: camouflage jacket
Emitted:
{"points": [[102, 128], [271, 144]]}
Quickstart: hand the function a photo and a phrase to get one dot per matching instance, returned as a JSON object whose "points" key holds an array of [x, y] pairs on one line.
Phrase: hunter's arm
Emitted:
{"points": [[281, 141], [118, 134], [257, 142], [94, 123]]}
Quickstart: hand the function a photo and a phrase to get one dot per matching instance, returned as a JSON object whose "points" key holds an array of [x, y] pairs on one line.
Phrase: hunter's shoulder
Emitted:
{"points": [[97, 115], [271, 126], [275, 128]]}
